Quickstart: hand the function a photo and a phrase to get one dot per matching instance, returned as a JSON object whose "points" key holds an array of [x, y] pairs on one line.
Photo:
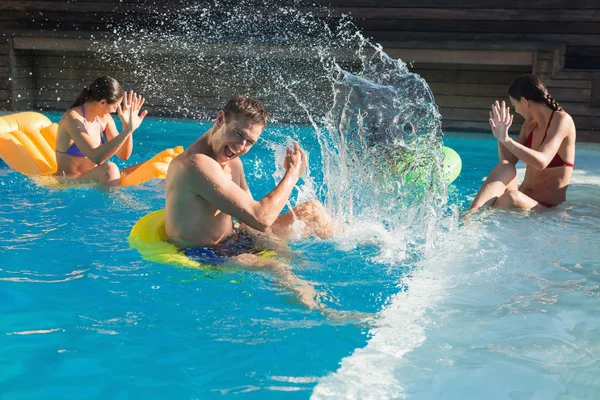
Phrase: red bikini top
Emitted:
{"points": [[557, 161]]}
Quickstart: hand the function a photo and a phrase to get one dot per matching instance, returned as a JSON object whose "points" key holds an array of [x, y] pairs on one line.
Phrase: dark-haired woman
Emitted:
{"points": [[87, 135], [546, 144]]}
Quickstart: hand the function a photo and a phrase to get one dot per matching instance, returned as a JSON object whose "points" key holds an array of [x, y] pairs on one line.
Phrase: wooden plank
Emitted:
{"points": [[492, 57], [441, 43], [467, 89], [541, 66], [575, 74], [500, 91], [584, 51], [516, 69], [474, 126], [478, 77], [4, 61], [58, 16], [22, 60], [4, 84], [209, 50], [471, 102], [484, 103], [478, 14], [70, 73], [490, 26], [469, 4], [581, 109], [586, 123], [73, 7], [388, 38], [579, 62], [426, 56], [464, 114], [595, 100], [82, 61], [568, 83], [588, 136], [26, 43]]}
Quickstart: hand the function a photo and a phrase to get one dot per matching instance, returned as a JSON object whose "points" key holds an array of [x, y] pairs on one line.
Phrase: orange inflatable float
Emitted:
{"points": [[28, 141]]}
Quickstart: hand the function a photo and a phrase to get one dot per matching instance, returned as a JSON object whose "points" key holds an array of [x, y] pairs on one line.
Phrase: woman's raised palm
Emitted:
{"points": [[129, 111]]}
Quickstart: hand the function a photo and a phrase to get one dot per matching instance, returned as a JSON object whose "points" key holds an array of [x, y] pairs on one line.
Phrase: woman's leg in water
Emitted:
{"points": [[503, 178], [314, 216], [516, 199], [132, 168], [106, 174]]}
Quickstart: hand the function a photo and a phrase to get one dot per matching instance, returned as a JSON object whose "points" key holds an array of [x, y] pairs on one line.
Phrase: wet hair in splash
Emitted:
{"points": [[247, 107], [530, 87], [103, 87]]}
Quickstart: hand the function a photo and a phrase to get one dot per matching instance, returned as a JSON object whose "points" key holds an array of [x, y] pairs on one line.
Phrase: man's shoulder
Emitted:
{"points": [[196, 164]]}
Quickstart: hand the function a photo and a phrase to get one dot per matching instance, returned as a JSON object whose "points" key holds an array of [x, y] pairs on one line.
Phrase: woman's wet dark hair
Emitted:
{"points": [[103, 87], [530, 87]]}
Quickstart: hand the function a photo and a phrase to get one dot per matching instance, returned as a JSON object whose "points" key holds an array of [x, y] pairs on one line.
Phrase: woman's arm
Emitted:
{"points": [[506, 154], [111, 132], [501, 119], [77, 131]]}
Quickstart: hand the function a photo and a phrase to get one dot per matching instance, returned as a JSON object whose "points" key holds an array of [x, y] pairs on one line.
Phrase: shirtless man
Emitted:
{"points": [[206, 187]]}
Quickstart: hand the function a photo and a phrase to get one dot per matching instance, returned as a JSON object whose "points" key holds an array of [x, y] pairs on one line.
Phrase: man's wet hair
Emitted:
{"points": [[247, 107]]}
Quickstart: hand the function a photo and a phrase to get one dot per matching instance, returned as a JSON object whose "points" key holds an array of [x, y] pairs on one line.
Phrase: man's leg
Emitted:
{"points": [[305, 292], [314, 216], [503, 178]]}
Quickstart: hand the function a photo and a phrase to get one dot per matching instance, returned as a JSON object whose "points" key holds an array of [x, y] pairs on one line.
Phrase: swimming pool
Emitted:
{"points": [[502, 307]]}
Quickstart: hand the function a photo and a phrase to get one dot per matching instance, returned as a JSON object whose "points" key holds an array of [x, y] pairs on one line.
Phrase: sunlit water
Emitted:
{"points": [[503, 307]]}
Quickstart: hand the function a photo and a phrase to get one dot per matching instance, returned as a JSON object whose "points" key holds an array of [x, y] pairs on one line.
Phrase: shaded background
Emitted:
{"points": [[468, 51]]}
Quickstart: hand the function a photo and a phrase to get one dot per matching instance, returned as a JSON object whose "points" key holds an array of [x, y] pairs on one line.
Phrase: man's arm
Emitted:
{"points": [[243, 183], [209, 182]]}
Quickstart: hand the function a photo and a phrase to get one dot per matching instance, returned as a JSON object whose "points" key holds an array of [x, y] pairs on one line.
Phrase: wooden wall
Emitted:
{"points": [[573, 22], [468, 51], [5, 50]]}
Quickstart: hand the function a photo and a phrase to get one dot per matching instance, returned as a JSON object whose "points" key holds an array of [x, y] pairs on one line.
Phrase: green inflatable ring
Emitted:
{"points": [[451, 167]]}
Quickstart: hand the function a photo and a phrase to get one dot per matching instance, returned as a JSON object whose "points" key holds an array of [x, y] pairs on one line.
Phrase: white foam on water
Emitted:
{"points": [[369, 373], [504, 307]]}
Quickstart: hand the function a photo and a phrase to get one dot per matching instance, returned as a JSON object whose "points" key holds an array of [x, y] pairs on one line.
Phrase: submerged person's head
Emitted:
{"points": [[105, 91], [527, 89], [238, 126]]}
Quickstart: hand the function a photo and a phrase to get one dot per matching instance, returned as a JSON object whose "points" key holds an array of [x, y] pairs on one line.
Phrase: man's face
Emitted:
{"points": [[235, 137]]}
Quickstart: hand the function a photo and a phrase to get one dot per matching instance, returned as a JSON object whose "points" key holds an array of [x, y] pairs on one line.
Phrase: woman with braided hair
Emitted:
{"points": [[546, 144], [87, 135]]}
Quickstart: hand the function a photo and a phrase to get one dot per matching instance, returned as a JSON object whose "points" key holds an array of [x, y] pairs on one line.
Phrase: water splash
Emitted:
{"points": [[376, 123]]}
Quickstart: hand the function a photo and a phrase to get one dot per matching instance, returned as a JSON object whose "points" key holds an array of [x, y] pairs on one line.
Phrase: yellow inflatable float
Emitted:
{"points": [[148, 236], [28, 141]]}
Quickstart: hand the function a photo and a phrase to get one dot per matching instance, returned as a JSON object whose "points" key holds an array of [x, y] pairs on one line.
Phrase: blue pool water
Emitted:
{"points": [[505, 306]]}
